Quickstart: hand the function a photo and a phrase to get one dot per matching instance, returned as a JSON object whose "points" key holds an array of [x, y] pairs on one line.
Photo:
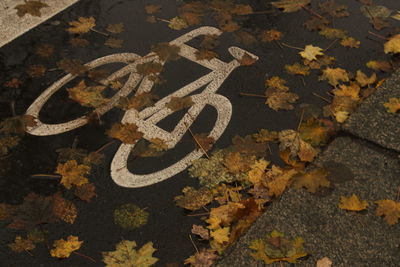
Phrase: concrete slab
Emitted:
{"points": [[13, 26], [347, 238], [372, 121]]}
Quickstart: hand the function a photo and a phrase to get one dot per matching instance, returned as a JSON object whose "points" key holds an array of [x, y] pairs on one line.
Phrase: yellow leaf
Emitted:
{"points": [[221, 235], [64, 248], [334, 75], [389, 209], [352, 203], [364, 80], [393, 105], [126, 132], [82, 25], [332, 33], [291, 5], [341, 116], [178, 23], [64, 209], [351, 91], [298, 69], [20, 244], [350, 42], [277, 83], [312, 180], [279, 183], [87, 96], [72, 173], [393, 45], [311, 52], [257, 172], [379, 65], [307, 152]]}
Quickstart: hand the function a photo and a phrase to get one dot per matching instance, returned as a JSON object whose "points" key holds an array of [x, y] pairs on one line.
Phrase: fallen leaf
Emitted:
{"points": [[129, 216], [389, 209], [380, 65], [319, 62], [393, 105], [203, 141], [324, 262], [126, 132], [352, 91], [20, 244], [307, 152], [350, 42], [73, 66], [64, 209], [72, 173], [192, 12], [6, 211], [79, 42], [279, 182], [297, 69], [194, 199], [220, 235], [166, 51], [393, 45], [316, 24], [13, 83], [203, 54], [264, 136], [334, 75], [281, 100], [17, 124], [87, 96], [82, 25], [152, 9], [36, 71], [352, 203], [149, 68], [315, 132], [209, 41], [31, 7], [114, 43], [125, 255], [311, 52], [178, 23], [202, 258], [270, 35], [64, 248], [363, 80], [333, 9], [178, 103], [332, 33], [257, 173], [223, 215], [375, 11], [291, 5], [236, 163], [85, 192], [116, 28], [139, 101], [289, 139], [200, 231], [245, 38], [44, 50], [247, 60], [312, 180]]}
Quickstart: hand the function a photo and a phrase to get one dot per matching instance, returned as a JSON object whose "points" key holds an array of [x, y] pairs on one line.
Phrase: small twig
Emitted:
{"points": [[12, 107], [197, 142], [85, 256], [46, 176], [194, 245], [323, 98], [303, 81], [198, 214], [278, 44], [331, 44], [378, 35], [290, 46], [164, 20], [100, 32], [105, 146], [301, 119], [255, 95], [53, 69], [312, 12], [257, 13]]}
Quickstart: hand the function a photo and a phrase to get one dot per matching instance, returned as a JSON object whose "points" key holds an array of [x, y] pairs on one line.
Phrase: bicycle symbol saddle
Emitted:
{"points": [[147, 119]]}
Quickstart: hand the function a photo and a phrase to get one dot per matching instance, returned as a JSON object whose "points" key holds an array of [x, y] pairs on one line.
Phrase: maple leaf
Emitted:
{"points": [[82, 25], [20, 244], [291, 5], [279, 182], [281, 100], [202, 258], [276, 83], [314, 131], [352, 203], [307, 152], [264, 136], [297, 69], [289, 139], [114, 43], [129, 216], [17, 124], [229, 26], [72, 173], [257, 173], [194, 199], [139, 101], [73, 66], [149, 68], [379, 65], [6, 143], [31, 7], [85, 192], [87, 96], [242, 10], [393, 105], [364, 80], [165, 51], [126, 132], [312, 180], [200, 231], [334, 10], [319, 62], [350, 42], [64, 209], [152, 9], [36, 71], [270, 35], [393, 45], [275, 247], [389, 209], [203, 141], [236, 163], [332, 33], [44, 50], [203, 54], [247, 60], [220, 235], [334, 75], [192, 12], [178, 103], [125, 255], [245, 38], [311, 52], [209, 42], [223, 215], [116, 28], [79, 42], [64, 248], [34, 210], [316, 24], [178, 23], [248, 146], [351, 91], [324, 262]]}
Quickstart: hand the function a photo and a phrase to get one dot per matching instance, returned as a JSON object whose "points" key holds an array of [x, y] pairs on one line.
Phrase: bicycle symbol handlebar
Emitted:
{"points": [[147, 119]]}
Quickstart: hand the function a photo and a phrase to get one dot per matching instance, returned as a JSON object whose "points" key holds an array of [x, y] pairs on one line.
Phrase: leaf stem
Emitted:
{"points": [[46, 176], [100, 32], [323, 98], [255, 95], [85, 256], [290, 46], [312, 12], [194, 245], [378, 35], [197, 142], [331, 44]]}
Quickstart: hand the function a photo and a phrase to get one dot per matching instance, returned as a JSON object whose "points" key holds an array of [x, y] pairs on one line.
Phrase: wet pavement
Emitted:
{"points": [[169, 226]]}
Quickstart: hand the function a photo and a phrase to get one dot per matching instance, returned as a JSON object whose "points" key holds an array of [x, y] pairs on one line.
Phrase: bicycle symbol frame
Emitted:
{"points": [[147, 119]]}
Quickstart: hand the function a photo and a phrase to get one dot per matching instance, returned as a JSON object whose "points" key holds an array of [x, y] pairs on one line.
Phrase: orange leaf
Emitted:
{"points": [[352, 203], [389, 209]]}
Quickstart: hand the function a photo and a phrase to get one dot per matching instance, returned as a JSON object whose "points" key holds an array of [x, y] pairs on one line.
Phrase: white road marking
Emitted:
{"points": [[147, 119], [12, 26]]}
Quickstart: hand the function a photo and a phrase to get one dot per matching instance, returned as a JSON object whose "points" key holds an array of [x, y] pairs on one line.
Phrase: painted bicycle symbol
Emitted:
{"points": [[147, 119]]}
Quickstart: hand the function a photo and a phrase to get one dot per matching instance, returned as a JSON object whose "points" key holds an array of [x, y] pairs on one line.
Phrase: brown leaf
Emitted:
{"points": [[116, 28], [17, 125], [85, 192], [194, 199], [114, 43], [73, 66], [203, 54], [139, 101], [178, 103], [36, 71], [152, 9], [72, 173], [247, 60], [203, 141], [45, 50], [297, 69], [13, 83], [389, 209], [209, 42], [333, 9], [166, 51], [31, 7], [245, 38], [312, 180], [291, 5], [79, 42], [20, 244], [380, 65], [149, 68], [236, 163], [82, 25], [200, 231], [350, 42], [87, 96], [64, 209], [332, 33], [193, 12], [281, 100], [316, 24], [126, 132], [203, 258]]}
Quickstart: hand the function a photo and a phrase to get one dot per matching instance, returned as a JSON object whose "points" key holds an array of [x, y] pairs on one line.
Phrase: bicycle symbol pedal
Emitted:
{"points": [[147, 119]]}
